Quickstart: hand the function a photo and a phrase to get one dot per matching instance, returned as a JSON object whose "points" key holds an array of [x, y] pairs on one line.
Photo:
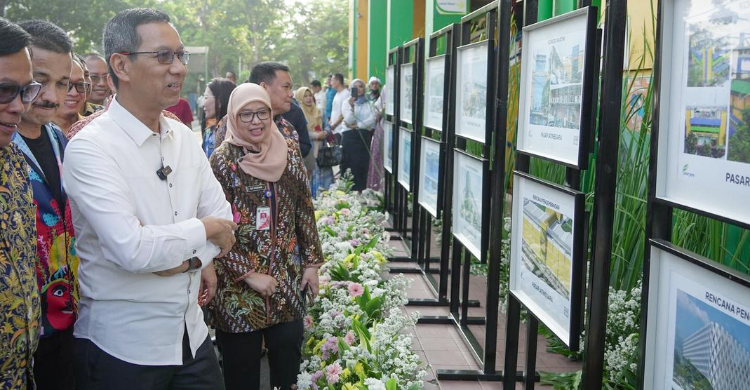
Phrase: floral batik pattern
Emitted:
{"points": [[20, 308], [283, 251]]}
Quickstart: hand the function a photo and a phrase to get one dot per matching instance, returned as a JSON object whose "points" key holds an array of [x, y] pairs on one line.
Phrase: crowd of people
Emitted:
{"points": [[122, 239]]}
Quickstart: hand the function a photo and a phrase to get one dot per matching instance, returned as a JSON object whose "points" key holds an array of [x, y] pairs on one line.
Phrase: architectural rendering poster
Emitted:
{"points": [[429, 177], [388, 147], [404, 158], [467, 202], [704, 143], [434, 91], [543, 253], [407, 86], [471, 92], [699, 322], [552, 88], [390, 82]]}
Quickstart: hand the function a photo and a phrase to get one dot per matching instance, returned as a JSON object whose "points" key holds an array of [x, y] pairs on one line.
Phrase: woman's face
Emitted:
{"points": [[254, 122], [209, 103], [361, 88], [308, 98]]}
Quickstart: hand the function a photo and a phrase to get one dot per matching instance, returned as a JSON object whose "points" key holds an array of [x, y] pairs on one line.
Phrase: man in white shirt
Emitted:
{"points": [[150, 217], [342, 96], [320, 97]]}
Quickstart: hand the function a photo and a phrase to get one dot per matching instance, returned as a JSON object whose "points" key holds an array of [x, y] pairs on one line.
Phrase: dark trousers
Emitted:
{"points": [[53, 362], [241, 353], [97, 370], [355, 145]]}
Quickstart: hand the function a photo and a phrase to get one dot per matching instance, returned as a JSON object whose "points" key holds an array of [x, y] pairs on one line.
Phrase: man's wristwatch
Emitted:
{"points": [[194, 263]]}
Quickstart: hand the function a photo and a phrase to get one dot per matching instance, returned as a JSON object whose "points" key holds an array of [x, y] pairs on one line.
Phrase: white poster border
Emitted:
{"points": [[434, 119], [404, 176], [472, 240], [428, 200], [466, 126]]}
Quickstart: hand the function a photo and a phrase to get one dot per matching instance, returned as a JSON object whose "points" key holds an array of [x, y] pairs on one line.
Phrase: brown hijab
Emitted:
{"points": [[267, 160]]}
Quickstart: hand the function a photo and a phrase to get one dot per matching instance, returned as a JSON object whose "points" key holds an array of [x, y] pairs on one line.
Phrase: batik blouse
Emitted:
{"points": [[20, 308], [283, 251]]}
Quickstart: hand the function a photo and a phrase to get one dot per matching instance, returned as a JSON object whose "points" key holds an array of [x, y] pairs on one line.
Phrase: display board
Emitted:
{"points": [[434, 92], [468, 177], [388, 146], [471, 92], [704, 138], [557, 85], [698, 326], [429, 178], [546, 259], [404, 158], [407, 92], [390, 82]]}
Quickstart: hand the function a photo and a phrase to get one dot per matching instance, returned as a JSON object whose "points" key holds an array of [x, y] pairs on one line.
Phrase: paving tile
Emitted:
{"points": [[446, 357], [438, 344], [460, 385]]}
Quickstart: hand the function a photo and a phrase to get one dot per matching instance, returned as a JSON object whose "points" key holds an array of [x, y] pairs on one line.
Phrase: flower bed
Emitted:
{"points": [[356, 334]]}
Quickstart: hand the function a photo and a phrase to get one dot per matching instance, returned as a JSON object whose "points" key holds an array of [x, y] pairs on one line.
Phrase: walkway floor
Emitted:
{"points": [[442, 346]]}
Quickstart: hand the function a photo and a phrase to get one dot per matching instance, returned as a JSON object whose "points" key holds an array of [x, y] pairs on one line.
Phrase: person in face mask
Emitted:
{"points": [[374, 85]]}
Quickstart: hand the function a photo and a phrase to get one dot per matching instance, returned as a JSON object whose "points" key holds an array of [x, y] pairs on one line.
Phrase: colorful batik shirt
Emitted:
{"points": [[283, 251], [20, 308]]}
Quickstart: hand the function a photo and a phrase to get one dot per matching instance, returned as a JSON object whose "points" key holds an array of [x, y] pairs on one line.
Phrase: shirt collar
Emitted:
{"points": [[133, 127]]}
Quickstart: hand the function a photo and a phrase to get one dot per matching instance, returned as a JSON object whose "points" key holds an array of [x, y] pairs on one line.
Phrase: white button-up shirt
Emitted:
{"points": [[341, 98], [129, 223]]}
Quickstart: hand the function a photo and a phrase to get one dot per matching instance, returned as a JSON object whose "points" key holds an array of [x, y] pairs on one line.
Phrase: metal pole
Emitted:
{"points": [[606, 183]]}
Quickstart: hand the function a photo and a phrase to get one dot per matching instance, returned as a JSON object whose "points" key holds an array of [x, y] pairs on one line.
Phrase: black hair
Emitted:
{"points": [[316, 83], [265, 72], [12, 38], [221, 88], [340, 78], [121, 35], [48, 36]]}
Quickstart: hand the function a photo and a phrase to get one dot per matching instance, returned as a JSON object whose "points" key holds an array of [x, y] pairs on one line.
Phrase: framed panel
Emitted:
{"points": [[704, 136], [557, 88], [471, 92], [698, 324], [404, 157], [468, 178], [390, 82], [407, 88], [546, 264], [388, 147], [434, 92], [429, 177]]}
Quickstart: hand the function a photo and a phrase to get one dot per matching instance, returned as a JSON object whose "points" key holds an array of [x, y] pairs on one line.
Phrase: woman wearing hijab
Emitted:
{"points": [[265, 281], [215, 101], [360, 118], [320, 177], [375, 172]]}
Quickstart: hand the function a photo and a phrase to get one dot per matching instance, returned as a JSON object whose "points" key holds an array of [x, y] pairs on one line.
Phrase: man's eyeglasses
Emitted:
{"points": [[165, 57], [95, 78], [81, 87], [9, 91], [247, 116]]}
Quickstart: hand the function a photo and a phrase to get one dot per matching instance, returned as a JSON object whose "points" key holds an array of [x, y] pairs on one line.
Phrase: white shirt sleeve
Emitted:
{"points": [[95, 184]]}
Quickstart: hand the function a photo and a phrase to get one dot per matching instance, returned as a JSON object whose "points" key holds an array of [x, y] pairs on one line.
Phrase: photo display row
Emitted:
{"points": [[704, 133], [547, 254], [557, 85], [698, 331]]}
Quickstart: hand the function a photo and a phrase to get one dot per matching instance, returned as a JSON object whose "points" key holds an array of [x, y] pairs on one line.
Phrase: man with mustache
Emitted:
{"points": [[19, 296], [99, 88], [43, 144], [150, 218]]}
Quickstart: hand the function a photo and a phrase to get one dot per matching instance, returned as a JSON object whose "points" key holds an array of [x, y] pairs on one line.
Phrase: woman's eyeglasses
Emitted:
{"points": [[165, 57], [9, 91], [247, 116], [81, 87]]}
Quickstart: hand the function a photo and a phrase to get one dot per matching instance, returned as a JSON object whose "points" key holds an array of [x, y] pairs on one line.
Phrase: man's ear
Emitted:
{"points": [[264, 85], [120, 66]]}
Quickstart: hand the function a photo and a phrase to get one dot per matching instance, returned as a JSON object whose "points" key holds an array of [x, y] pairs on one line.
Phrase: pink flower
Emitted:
{"points": [[332, 373], [355, 290], [349, 338], [317, 375], [308, 321], [345, 211], [354, 242]]}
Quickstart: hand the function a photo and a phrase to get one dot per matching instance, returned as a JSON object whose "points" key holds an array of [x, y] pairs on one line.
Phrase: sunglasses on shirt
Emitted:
{"points": [[9, 91]]}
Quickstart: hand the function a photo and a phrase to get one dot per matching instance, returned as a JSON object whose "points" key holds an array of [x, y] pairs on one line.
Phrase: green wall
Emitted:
{"points": [[400, 22], [378, 42]]}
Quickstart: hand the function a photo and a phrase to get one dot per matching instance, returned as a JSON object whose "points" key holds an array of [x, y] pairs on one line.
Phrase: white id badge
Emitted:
{"points": [[263, 218]]}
